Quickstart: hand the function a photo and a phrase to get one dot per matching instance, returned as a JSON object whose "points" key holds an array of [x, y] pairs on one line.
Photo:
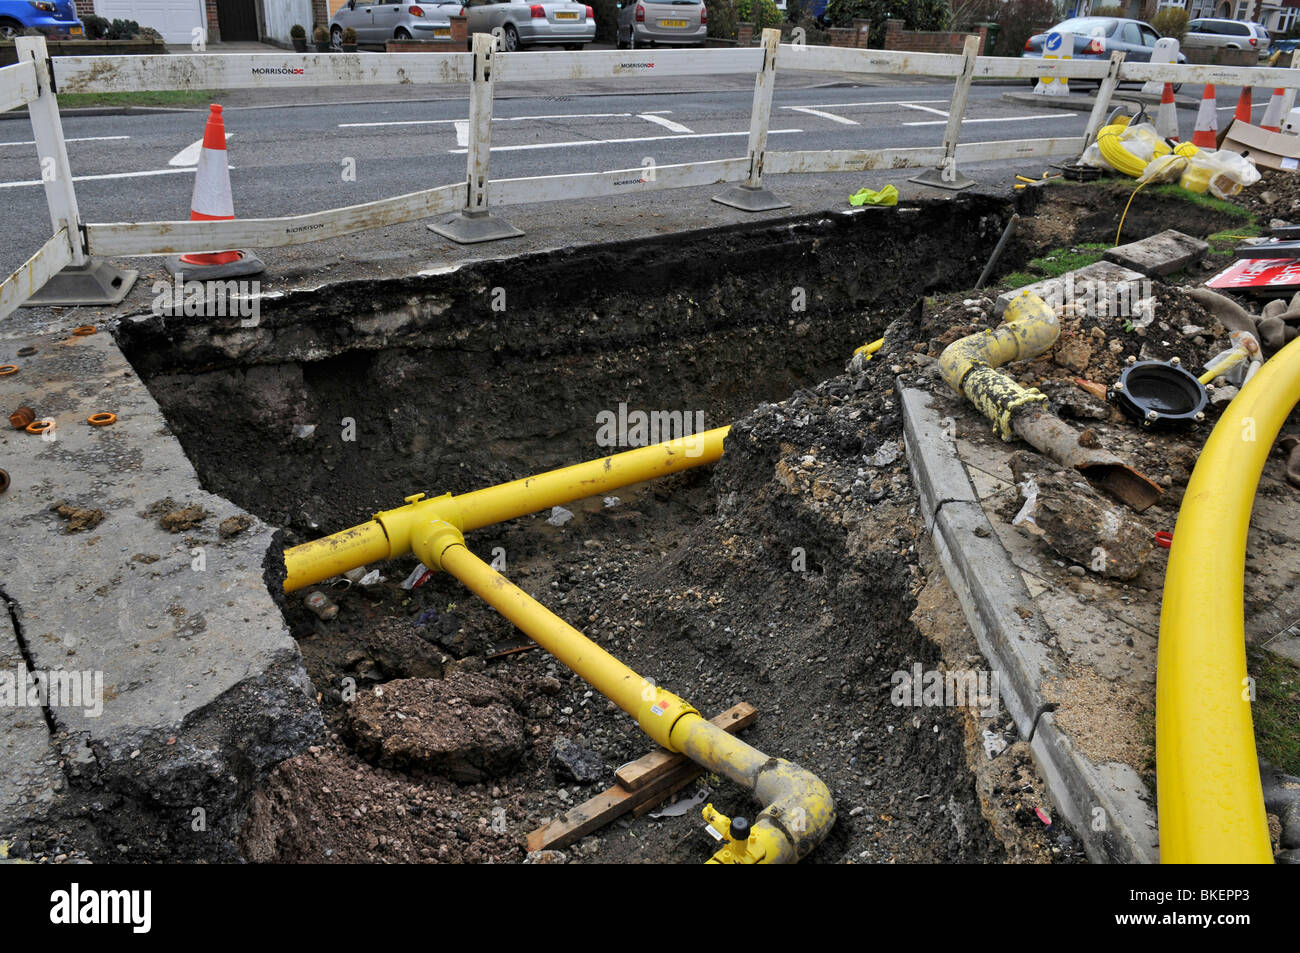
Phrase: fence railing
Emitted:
{"points": [[36, 81]]}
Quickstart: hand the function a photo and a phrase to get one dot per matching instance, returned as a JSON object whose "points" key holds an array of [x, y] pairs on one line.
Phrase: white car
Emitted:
{"points": [[382, 20], [1208, 33], [522, 24]]}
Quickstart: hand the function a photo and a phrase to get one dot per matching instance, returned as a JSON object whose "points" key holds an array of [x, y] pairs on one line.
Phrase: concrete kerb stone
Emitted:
{"points": [[1085, 103], [990, 589]]}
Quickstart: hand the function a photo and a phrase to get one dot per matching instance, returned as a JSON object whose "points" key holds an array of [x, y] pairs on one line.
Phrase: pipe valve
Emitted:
{"points": [[737, 847]]}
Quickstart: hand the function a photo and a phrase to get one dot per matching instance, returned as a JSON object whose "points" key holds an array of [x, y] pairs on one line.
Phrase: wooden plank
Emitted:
{"points": [[650, 767], [614, 803]]}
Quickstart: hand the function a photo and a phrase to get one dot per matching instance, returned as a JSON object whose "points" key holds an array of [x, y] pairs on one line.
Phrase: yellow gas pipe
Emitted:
{"points": [[388, 535], [1210, 803], [798, 810]]}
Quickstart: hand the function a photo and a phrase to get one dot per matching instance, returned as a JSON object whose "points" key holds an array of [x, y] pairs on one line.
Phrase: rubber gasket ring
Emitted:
{"points": [[7, 369], [102, 419], [39, 426], [85, 331]]}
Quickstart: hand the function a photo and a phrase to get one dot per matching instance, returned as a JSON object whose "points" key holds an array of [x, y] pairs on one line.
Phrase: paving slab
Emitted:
{"points": [[195, 688], [1160, 254]]}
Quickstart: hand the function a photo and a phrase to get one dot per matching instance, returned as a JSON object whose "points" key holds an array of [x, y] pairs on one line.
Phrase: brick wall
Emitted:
{"points": [[854, 37], [85, 7], [320, 16], [912, 41], [214, 26]]}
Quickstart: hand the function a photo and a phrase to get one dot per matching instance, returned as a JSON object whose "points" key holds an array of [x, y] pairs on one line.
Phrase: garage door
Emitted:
{"points": [[176, 20]]}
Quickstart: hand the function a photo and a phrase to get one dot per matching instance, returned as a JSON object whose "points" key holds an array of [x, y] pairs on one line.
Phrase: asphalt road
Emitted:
{"points": [[293, 160]]}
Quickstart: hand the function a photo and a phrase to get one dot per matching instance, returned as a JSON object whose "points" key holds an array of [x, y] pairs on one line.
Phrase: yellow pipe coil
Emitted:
{"points": [[1209, 798]]}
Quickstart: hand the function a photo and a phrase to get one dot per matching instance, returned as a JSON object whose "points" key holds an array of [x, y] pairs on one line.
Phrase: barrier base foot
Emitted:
{"points": [[469, 228], [247, 264], [94, 283], [747, 198], [949, 179]]}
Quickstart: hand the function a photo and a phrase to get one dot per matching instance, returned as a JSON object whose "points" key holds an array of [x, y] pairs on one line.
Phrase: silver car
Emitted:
{"points": [[520, 24], [664, 23], [382, 20], [1208, 33]]}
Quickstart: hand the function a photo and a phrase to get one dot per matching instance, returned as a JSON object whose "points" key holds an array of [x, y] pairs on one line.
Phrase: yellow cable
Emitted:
{"points": [[1126, 205]]}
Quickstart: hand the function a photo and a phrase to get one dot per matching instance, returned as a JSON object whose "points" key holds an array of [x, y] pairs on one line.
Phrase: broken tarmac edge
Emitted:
{"points": [[1105, 804]]}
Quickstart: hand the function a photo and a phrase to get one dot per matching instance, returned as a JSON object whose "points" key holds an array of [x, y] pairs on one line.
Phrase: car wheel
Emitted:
{"points": [[10, 29], [510, 39], [336, 37], [402, 33], [622, 43], [574, 46]]}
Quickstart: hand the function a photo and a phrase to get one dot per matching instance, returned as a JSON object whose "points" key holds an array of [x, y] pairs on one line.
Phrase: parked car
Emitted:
{"points": [[1209, 33], [662, 23], [382, 20], [1095, 37], [523, 24], [54, 18]]}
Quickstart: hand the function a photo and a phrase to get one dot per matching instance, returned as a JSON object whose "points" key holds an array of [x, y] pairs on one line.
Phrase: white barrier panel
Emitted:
{"points": [[838, 59], [169, 238], [554, 188], [863, 160], [48, 261], [17, 85], [110, 74], [621, 64]]}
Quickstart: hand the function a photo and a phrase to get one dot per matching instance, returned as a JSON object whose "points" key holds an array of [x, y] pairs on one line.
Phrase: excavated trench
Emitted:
{"points": [[784, 576]]}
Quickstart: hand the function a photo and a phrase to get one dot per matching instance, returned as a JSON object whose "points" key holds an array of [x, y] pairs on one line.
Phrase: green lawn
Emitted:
{"points": [[172, 97]]}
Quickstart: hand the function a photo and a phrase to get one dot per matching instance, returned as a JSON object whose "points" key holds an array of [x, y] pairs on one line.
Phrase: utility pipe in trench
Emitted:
{"points": [[1210, 804]]}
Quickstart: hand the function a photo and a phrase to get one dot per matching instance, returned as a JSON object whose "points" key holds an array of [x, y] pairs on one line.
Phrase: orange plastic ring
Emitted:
{"points": [[39, 426], [104, 419], [7, 369], [85, 330]]}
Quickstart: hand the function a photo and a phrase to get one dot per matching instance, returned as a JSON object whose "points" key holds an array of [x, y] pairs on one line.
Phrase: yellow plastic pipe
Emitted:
{"points": [[1209, 799], [388, 535], [798, 810]]}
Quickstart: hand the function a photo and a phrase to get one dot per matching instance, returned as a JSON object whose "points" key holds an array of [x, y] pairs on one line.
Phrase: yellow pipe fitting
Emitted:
{"points": [[388, 535], [1210, 803], [798, 809], [1029, 328]]}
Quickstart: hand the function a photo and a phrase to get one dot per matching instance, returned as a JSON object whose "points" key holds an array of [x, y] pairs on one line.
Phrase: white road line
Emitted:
{"points": [[924, 109], [189, 156], [936, 122], [824, 115], [614, 142], [32, 142], [109, 175], [1222, 109], [879, 102], [666, 123], [445, 122]]}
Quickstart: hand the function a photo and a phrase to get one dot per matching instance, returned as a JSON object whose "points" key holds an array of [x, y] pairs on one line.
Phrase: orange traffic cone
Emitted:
{"points": [[1167, 115], [1207, 121], [1272, 121], [212, 202], [1244, 105]]}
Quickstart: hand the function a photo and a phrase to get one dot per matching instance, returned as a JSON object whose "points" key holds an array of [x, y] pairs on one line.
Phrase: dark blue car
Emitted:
{"points": [[54, 18]]}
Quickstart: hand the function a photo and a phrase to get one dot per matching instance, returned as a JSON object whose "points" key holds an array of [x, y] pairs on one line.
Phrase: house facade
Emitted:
{"points": [[223, 21]]}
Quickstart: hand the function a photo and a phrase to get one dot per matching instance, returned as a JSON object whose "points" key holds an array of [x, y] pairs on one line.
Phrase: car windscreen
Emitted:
{"points": [[1087, 26]]}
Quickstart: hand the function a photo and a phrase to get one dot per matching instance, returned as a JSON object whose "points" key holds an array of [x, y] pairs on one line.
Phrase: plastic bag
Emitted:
{"points": [[1221, 172], [1164, 169], [886, 196]]}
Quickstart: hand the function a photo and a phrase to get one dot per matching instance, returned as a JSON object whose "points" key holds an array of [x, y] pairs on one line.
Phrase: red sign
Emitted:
{"points": [[1275, 274]]}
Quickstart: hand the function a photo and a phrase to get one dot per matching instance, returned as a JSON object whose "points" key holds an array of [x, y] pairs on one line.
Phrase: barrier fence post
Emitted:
{"points": [[84, 281], [946, 176], [751, 196], [474, 223], [1104, 93], [1288, 98]]}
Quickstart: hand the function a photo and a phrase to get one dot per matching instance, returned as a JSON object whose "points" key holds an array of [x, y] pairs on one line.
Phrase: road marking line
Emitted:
{"points": [[936, 122], [614, 142], [189, 156], [108, 175], [1222, 109], [824, 115], [924, 109], [879, 102], [445, 122], [32, 142], [666, 123]]}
